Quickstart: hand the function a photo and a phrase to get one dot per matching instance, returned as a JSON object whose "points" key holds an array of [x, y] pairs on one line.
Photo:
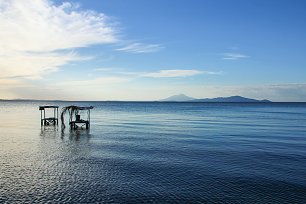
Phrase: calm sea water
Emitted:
{"points": [[156, 153]]}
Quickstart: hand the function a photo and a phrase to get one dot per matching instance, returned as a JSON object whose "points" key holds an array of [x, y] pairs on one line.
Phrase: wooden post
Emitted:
{"points": [[41, 121], [44, 117], [88, 119]]}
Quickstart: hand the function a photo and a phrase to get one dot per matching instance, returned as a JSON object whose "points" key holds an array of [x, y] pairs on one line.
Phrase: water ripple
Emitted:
{"points": [[156, 153]]}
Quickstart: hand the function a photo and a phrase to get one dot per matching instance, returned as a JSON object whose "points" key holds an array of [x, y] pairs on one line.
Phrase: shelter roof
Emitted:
{"points": [[43, 107]]}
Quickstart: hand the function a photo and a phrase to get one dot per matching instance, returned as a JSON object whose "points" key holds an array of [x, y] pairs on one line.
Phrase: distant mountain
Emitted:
{"points": [[231, 99], [179, 98]]}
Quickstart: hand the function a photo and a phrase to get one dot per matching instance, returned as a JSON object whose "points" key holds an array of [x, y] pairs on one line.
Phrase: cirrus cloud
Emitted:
{"points": [[36, 37], [176, 73], [41, 26], [234, 56], [141, 48]]}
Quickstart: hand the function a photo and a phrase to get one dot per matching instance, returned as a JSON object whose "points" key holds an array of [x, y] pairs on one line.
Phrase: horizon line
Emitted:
{"points": [[144, 101]]}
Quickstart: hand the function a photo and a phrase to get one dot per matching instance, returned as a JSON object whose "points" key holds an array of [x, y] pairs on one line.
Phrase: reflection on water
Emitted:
{"points": [[49, 131], [76, 135], [73, 135], [156, 152]]}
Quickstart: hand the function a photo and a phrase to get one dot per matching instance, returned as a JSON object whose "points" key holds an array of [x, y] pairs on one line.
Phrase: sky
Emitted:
{"points": [[149, 50]]}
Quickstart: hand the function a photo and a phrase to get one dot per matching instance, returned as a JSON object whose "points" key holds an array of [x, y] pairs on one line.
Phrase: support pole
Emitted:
{"points": [[44, 117], [88, 118], [41, 121]]}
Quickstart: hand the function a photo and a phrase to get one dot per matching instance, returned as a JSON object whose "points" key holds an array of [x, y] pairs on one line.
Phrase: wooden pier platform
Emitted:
{"points": [[74, 124]]}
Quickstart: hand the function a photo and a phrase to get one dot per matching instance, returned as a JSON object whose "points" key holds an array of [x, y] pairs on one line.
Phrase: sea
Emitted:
{"points": [[155, 152]]}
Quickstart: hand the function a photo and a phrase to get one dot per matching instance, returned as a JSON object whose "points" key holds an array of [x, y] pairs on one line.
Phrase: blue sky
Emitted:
{"points": [[148, 50]]}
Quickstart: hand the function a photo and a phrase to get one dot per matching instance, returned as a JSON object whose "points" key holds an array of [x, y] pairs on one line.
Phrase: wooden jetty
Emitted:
{"points": [[48, 120]]}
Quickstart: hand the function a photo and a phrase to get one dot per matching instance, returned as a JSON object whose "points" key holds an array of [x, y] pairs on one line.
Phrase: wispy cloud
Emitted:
{"points": [[96, 82], [36, 36], [11, 83], [169, 73], [175, 73], [233, 56], [41, 26], [141, 48], [104, 69], [33, 66]]}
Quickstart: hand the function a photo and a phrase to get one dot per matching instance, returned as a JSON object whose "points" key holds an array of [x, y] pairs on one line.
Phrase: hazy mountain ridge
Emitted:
{"points": [[231, 99], [174, 98]]}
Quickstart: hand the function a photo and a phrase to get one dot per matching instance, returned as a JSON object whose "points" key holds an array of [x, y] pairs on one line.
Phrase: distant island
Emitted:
{"points": [[231, 99], [174, 98]]}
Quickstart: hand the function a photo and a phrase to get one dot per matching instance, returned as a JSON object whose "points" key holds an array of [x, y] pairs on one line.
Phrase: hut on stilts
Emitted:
{"points": [[44, 121], [75, 120]]}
